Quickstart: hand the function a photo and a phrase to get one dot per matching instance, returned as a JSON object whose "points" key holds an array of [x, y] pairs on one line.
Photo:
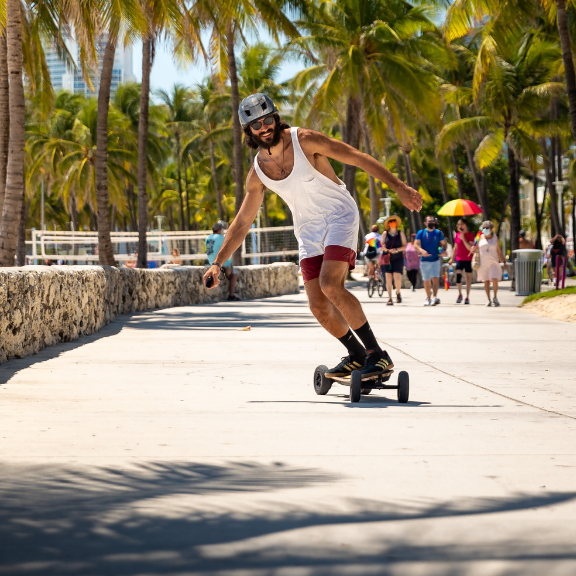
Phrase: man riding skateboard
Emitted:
{"points": [[293, 162]]}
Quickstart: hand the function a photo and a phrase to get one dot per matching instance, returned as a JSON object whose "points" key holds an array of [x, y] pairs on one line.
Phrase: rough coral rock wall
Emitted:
{"points": [[44, 305]]}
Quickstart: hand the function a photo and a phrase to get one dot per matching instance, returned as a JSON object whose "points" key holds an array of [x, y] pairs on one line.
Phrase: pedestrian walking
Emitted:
{"points": [[394, 244], [412, 262], [490, 254], [373, 243], [294, 163], [463, 241], [430, 242], [213, 244], [523, 242]]}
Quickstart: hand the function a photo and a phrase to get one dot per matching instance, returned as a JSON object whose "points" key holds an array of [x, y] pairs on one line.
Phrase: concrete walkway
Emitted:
{"points": [[172, 443]]}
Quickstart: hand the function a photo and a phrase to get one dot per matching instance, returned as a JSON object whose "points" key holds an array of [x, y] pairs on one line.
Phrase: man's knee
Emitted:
{"points": [[458, 277], [332, 288]]}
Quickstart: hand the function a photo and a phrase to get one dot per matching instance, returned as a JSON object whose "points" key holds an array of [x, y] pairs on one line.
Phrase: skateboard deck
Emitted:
{"points": [[372, 380]]}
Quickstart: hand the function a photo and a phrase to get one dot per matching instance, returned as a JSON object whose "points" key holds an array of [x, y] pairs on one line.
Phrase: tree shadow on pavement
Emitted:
{"points": [[58, 520], [215, 319]]}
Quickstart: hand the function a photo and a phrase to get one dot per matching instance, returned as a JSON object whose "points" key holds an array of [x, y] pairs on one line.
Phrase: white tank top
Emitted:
{"points": [[312, 197]]}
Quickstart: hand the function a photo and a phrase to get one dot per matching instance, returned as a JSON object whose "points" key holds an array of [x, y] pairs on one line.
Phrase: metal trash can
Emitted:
{"points": [[527, 271]]}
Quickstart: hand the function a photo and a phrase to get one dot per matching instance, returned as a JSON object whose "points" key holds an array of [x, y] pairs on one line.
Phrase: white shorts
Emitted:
{"points": [[314, 236], [430, 270]]}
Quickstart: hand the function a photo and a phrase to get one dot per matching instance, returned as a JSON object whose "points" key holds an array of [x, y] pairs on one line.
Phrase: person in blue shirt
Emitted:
{"points": [[428, 243], [213, 245]]}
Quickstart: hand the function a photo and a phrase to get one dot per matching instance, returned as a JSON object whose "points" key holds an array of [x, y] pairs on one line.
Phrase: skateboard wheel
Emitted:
{"points": [[322, 384], [355, 386], [366, 391], [403, 387]]}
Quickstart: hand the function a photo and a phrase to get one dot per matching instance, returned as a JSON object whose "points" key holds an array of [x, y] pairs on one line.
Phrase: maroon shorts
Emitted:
{"points": [[311, 266]]}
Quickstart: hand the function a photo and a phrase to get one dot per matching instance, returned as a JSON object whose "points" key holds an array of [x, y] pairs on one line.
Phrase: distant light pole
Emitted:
{"points": [[387, 204]]}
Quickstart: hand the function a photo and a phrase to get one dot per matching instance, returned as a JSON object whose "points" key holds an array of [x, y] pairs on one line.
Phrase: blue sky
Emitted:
{"points": [[165, 73]]}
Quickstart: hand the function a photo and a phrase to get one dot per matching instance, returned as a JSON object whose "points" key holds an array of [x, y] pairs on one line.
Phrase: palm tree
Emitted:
{"points": [[161, 17], [516, 90], [128, 17], [11, 210], [179, 117], [372, 61], [213, 122], [4, 116], [231, 22]]}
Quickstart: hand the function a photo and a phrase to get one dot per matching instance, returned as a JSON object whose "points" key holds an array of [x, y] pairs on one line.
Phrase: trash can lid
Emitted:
{"points": [[528, 254]]}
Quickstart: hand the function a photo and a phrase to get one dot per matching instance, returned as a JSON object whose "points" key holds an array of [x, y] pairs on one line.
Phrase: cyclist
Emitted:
{"points": [[293, 162], [372, 248]]}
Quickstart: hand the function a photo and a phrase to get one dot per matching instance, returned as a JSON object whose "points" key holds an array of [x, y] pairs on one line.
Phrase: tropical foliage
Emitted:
{"points": [[471, 102]]}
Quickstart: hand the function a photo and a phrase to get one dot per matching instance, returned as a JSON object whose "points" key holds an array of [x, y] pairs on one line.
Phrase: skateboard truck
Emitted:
{"points": [[362, 385]]}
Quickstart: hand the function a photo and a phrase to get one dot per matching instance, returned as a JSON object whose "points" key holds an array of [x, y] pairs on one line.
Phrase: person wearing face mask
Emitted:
{"points": [[491, 255], [463, 242], [428, 243], [394, 244]]}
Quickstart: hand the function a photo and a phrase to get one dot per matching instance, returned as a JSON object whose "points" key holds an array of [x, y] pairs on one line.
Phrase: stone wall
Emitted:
{"points": [[44, 305]]}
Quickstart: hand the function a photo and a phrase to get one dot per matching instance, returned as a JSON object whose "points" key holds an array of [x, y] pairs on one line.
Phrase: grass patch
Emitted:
{"points": [[548, 294]]}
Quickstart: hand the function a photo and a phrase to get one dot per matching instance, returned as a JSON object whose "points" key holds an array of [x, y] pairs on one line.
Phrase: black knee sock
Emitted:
{"points": [[368, 339], [353, 346]]}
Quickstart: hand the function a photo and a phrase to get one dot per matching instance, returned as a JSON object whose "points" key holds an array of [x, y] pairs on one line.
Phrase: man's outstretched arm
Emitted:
{"points": [[318, 143], [240, 226]]}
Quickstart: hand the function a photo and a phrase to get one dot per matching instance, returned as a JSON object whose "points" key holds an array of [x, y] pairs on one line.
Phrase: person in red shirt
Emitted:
{"points": [[463, 242]]}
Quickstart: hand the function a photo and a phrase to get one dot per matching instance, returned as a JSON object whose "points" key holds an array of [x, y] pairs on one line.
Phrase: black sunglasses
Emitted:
{"points": [[269, 120]]}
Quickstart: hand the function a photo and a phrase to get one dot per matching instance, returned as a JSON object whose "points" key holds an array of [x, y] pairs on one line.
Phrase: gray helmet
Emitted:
{"points": [[254, 107]]}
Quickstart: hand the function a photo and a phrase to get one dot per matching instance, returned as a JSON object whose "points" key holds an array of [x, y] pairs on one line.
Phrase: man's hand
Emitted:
{"points": [[213, 271], [424, 253], [411, 198]]}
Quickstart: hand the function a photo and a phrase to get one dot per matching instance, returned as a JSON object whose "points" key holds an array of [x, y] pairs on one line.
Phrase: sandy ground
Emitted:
{"points": [[559, 308]]}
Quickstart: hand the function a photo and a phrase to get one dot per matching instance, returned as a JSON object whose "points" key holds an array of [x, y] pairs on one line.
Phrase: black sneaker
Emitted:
{"points": [[346, 366], [233, 298], [377, 363]]}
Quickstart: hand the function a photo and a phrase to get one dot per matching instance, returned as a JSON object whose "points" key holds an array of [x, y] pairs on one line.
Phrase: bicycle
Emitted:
{"points": [[376, 282]]}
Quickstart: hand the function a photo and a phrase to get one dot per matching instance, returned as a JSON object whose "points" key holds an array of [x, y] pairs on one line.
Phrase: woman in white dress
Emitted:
{"points": [[491, 255]]}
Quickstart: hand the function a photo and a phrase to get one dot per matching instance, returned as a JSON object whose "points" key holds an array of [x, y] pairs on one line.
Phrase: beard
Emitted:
{"points": [[276, 135]]}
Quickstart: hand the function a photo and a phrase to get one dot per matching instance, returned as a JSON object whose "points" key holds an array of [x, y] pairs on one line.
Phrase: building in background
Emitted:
{"points": [[66, 78]]}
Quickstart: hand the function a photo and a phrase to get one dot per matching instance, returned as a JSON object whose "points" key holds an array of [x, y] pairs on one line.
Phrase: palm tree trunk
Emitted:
{"points": [[560, 175], [14, 191], [565, 42], [187, 196], [514, 199], [147, 56], [215, 180], [182, 216], [445, 199], [410, 178], [4, 116], [549, 172], [105, 249], [374, 207], [477, 184], [537, 211], [21, 251], [409, 213], [457, 174], [236, 129], [352, 137], [74, 218]]}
